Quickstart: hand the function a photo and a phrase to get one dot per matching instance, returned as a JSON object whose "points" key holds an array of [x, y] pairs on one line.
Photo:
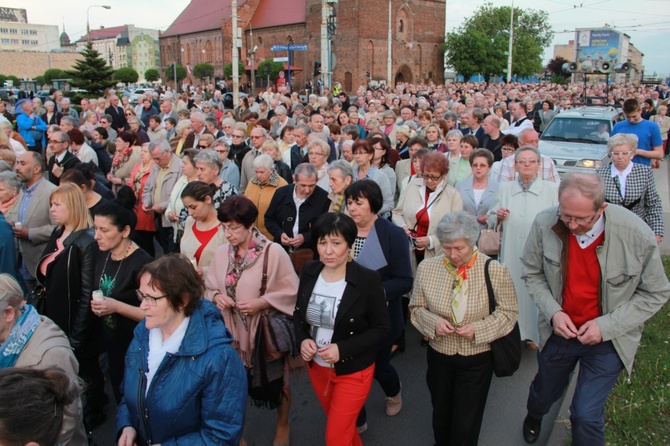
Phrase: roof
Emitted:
{"points": [[201, 15], [274, 13], [105, 33]]}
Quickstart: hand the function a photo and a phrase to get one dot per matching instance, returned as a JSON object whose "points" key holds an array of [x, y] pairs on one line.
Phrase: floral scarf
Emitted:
{"points": [[459, 292], [273, 180], [237, 265], [122, 156], [19, 336]]}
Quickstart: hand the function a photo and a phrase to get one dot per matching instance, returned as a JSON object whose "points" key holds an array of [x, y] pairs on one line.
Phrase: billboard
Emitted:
{"points": [[13, 15], [597, 45]]}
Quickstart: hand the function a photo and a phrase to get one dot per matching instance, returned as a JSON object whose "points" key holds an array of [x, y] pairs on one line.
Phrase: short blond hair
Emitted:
{"points": [[73, 198]]}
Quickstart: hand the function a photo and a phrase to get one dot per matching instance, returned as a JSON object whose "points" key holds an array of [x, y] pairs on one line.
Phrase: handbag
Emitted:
{"points": [[275, 329], [37, 298], [507, 349], [489, 240], [299, 257]]}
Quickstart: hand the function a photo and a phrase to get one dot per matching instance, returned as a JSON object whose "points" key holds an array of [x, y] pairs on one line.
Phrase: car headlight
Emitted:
{"points": [[589, 164]]}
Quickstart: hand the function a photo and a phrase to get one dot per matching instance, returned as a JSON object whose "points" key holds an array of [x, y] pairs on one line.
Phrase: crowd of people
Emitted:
{"points": [[142, 233]]}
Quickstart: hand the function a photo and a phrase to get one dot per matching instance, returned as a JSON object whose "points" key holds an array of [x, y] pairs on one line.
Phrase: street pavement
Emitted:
{"points": [[505, 409]]}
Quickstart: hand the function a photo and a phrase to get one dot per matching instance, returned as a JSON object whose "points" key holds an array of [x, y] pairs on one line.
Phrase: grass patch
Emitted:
{"points": [[638, 413]]}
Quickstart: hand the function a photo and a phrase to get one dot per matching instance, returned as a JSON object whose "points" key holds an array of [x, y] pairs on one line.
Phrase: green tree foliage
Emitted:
{"points": [[269, 68], [126, 75], [555, 67], [14, 79], [479, 46], [152, 75], [228, 70], [54, 73], [181, 73], [40, 81], [203, 70], [91, 73]]}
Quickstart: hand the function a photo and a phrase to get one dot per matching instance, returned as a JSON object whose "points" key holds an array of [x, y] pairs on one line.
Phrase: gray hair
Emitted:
{"points": [[9, 178], [228, 121], [221, 142], [304, 127], [343, 167], [209, 157], [5, 167], [305, 169], [160, 144], [588, 184], [321, 143], [264, 160], [66, 100], [456, 226], [456, 133], [49, 103], [181, 125], [198, 116], [10, 292], [527, 149], [68, 119], [622, 139], [134, 119], [281, 110]]}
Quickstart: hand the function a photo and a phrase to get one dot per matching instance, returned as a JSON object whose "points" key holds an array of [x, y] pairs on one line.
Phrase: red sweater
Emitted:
{"points": [[581, 293]]}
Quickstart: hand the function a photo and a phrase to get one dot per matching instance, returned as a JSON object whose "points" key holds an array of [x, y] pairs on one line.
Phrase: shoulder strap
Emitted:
{"points": [[264, 277], [489, 287]]}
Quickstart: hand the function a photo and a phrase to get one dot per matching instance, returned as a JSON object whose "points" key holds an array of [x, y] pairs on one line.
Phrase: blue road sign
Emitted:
{"points": [[279, 48], [299, 47]]}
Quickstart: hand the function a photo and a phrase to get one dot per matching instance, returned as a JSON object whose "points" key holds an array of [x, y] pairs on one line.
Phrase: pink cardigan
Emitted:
{"points": [[282, 289]]}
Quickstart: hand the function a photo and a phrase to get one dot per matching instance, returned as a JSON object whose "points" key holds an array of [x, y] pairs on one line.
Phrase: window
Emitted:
{"points": [[33, 32], [25, 42], [5, 41], [34, 42], [4, 30], [13, 31], [15, 41], [24, 31]]}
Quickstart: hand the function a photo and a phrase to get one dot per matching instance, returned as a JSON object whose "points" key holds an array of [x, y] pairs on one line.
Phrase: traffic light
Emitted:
{"points": [[317, 68]]}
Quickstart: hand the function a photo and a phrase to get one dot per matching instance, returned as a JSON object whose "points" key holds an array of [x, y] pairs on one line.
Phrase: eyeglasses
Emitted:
{"points": [[359, 152], [230, 229], [527, 162], [203, 146], [315, 154], [222, 151], [238, 136], [621, 153], [508, 149], [380, 149], [151, 300], [256, 137], [478, 165], [129, 114], [53, 141], [431, 177], [581, 221]]}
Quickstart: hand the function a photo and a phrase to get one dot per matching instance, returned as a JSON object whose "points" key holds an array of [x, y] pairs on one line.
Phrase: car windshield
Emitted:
{"points": [[596, 131]]}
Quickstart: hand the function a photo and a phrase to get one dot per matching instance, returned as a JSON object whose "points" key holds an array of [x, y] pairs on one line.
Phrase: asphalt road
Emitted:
{"points": [[503, 418]]}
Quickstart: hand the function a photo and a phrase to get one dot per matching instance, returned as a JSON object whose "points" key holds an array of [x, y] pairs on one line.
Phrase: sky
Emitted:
{"points": [[647, 22]]}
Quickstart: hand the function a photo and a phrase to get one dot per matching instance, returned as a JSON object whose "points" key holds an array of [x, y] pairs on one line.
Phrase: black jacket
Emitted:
{"points": [[362, 320], [237, 152], [280, 216], [119, 122], [69, 160], [68, 284]]}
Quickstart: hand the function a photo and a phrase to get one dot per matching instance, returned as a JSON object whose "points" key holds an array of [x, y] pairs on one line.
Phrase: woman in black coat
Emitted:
{"points": [[65, 271], [341, 319]]}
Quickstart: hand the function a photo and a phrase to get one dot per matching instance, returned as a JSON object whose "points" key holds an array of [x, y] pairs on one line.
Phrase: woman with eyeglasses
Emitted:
{"points": [[478, 191], [183, 383], [363, 169], [205, 141], [516, 205], [630, 184], [381, 160], [117, 263], [233, 283], [509, 145], [239, 147]]}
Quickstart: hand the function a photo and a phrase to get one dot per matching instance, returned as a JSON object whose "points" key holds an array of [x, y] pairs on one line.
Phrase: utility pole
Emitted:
{"points": [[325, 53], [509, 50], [236, 58], [389, 59]]}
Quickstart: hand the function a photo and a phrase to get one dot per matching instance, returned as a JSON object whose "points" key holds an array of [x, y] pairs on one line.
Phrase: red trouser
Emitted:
{"points": [[342, 398]]}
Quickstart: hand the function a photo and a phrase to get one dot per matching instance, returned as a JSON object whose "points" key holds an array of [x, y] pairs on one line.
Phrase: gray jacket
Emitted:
{"points": [[169, 181], [633, 283]]}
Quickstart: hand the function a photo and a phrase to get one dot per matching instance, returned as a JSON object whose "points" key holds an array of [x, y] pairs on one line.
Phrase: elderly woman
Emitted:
{"points": [[630, 184], [207, 167], [286, 140], [232, 283], [340, 341], [317, 152], [346, 150], [31, 341], [453, 139], [262, 187], [181, 356], [340, 175], [10, 187], [175, 205], [205, 141], [390, 128], [459, 168], [478, 191], [145, 227], [425, 201], [183, 137], [363, 169], [125, 159], [203, 232], [663, 120], [460, 327], [90, 124], [52, 116], [517, 204], [381, 246], [135, 125], [270, 147], [509, 145], [118, 260]]}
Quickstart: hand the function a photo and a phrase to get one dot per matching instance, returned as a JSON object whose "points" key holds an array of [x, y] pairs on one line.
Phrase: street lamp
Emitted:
{"points": [[88, 24]]}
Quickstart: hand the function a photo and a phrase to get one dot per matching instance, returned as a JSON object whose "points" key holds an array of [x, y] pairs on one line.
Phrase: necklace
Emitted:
{"points": [[107, 283]]}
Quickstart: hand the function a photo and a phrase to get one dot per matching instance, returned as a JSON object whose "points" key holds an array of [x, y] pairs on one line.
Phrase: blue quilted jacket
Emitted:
{"points": [[198, 395]]}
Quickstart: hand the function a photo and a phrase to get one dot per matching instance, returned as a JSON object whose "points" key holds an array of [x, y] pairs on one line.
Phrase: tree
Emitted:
{"points": [[228, 70], [152, 75], [181, 73], [203, 70], [555, 67], [269, 68], [14, 79], [40, 81], [91, 73], [53, 73], [126, 75], [480, 45]]}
